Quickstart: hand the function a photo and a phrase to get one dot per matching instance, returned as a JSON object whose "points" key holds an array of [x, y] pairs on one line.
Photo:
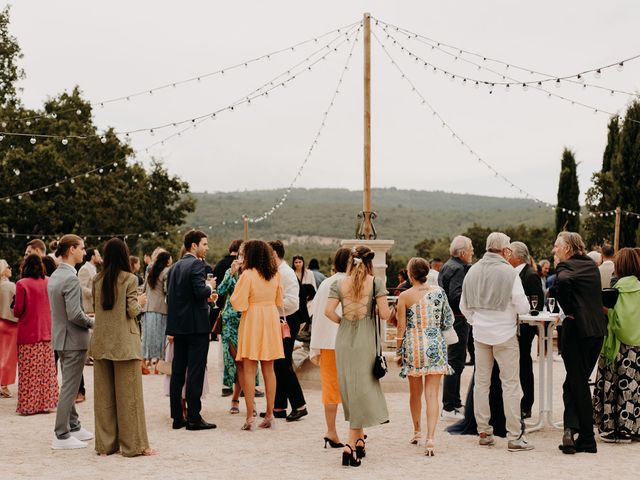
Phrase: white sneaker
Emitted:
{"points": [[70, 443], [82, 434], [452, 416]]}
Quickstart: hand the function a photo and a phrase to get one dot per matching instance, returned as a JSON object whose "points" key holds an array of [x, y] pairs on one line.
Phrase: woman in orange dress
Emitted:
{"points": [[258, 295]]}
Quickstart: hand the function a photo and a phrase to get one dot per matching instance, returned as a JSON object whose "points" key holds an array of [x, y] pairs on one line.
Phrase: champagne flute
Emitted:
{"points": [[534, 301], [552, 304]]}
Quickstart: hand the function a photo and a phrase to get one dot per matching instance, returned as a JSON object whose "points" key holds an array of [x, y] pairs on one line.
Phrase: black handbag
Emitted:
{"points": [[609, 297], [380, 363]]}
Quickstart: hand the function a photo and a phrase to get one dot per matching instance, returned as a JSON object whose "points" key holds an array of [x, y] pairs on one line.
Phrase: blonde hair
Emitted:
{"points": [[3, 266], [574, 241], [360, 265]]}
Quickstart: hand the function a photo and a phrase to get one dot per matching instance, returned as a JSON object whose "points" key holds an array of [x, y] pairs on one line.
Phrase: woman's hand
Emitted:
{"points": [[235, 266], [142, 299], [170, 338]]}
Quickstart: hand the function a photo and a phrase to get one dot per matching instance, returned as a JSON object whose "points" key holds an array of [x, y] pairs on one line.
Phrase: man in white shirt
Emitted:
{"points": [[492, 297], [606, 268], [86, 274], [288, 388]]}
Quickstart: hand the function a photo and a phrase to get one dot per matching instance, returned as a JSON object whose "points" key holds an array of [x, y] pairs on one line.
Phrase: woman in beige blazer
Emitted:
{"points": [[115, 348]]}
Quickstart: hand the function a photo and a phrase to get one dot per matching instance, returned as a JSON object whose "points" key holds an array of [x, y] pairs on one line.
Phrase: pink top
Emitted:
{"points": [[32, 309]]}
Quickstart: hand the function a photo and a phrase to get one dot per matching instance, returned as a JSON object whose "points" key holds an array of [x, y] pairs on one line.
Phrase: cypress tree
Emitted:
{"points": [[603, 194], [626, 173], [568, 207]]}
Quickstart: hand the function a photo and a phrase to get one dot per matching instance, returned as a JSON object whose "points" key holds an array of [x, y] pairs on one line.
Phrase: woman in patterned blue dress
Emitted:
{"points": [[423, 315], [230, 323]]}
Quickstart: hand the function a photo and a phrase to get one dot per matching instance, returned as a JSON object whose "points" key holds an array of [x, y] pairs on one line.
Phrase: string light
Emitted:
{"points": [[194, 122], [265, 215], [196, 78], [538, 84], [575, 78], [264, 90], [294, 74], [435, 113]]}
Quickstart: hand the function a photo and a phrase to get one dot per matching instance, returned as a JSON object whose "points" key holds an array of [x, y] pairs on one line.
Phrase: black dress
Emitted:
{"points": [[468, 425]]}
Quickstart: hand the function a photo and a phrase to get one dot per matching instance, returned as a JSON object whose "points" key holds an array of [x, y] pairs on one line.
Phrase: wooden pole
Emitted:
{"points": [[366, 192], [616, 236], [246, 227]]}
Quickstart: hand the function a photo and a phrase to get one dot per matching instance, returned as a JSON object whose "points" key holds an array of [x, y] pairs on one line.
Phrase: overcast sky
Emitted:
{"points": [[118, 47]]}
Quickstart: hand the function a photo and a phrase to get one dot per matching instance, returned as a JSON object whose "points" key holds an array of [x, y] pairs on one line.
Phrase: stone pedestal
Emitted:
{"points": [[380, 248]]}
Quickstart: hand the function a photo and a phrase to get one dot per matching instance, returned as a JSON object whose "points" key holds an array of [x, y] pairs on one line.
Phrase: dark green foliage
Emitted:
{"points": [[603, 194], [10, 72], [568, 205], [626, 167], [618, 183]]}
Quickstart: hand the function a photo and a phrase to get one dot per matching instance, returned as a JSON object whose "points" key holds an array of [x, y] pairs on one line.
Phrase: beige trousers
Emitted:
{"points": [[507, 355], [119, 407]]}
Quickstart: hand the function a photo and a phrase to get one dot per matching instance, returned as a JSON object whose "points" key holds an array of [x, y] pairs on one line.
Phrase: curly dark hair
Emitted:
{"points": [[32, 267], [260, 256], [162, 260]]}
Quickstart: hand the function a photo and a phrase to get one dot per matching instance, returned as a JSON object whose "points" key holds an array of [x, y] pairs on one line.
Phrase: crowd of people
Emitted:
{"points": [[82, 306]]}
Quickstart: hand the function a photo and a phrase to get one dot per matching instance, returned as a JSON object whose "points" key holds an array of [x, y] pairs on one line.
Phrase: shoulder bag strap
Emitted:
{"points": [[375, 318]]}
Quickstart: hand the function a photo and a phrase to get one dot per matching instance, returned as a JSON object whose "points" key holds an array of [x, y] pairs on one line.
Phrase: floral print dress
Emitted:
{"points": [[424, 350], [230, 324]]}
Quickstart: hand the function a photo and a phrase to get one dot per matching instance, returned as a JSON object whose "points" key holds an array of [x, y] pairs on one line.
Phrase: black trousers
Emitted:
{"points": [[525, 339], [287, 386], [189, 361], [457, 355], [580, 355]]}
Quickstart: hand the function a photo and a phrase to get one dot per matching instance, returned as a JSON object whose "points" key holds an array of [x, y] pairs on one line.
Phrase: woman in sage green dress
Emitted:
{"points": [[363, 402]]}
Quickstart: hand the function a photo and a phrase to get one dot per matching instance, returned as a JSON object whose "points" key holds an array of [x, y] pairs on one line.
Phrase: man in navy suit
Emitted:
{"points": [[188, 323]]}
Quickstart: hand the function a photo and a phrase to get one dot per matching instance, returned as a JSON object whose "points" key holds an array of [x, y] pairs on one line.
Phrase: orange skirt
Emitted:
{"points": [[259, 334], [329, 378]]}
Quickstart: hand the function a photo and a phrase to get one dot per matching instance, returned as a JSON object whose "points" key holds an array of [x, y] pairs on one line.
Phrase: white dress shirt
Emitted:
{"points": [[290, 288], [432, 278], [324, 331], [493, 327]]}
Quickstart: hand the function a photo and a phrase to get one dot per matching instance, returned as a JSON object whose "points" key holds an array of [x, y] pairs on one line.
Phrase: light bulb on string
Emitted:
{"points": [[65, 141], [557, 83], [620, 66], [33, 140], [597, 73], [28, 123], [78, 112]]}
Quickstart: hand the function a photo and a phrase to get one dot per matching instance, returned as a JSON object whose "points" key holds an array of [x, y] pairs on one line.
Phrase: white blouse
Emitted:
{"points": [[324, 331]]}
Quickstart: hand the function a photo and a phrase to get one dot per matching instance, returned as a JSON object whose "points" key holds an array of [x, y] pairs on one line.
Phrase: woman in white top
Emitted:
{"points": [[323, 348]]}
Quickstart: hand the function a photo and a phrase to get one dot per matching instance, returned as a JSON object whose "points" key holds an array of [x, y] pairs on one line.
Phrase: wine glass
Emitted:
{"points": [[534, 301], [552, 304]]}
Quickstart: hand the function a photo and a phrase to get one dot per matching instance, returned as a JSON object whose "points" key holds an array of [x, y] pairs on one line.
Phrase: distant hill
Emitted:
{"points": [[320, 217]]}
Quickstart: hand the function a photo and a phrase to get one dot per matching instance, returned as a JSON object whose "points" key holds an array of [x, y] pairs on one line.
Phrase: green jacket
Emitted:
{"points": [[624, 319], [116, 334]]}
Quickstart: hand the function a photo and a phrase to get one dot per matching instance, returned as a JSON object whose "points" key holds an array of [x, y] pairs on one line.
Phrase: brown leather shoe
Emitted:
{"points": [[80, 398]]}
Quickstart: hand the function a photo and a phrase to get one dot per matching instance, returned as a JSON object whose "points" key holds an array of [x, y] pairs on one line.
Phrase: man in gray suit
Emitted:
{"points": [[70, 336]]}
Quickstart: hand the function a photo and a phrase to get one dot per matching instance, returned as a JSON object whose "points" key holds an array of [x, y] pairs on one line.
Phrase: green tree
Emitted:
{"points": [[10, 72], [626, 167], [602, 196], [568, 206]]}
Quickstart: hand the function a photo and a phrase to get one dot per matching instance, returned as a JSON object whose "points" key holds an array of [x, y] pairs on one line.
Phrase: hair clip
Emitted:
{"points": [[357, 261]]}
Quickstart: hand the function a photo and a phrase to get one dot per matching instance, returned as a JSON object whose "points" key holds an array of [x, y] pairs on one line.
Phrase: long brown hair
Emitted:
{"points": [[116, 260], [162, 261], [261, 257], [360, 265]]}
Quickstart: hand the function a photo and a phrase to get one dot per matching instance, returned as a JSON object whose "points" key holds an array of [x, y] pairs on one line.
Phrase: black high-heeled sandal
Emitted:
{"points": [[332, 443], [360, 452], [348, 460]]}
